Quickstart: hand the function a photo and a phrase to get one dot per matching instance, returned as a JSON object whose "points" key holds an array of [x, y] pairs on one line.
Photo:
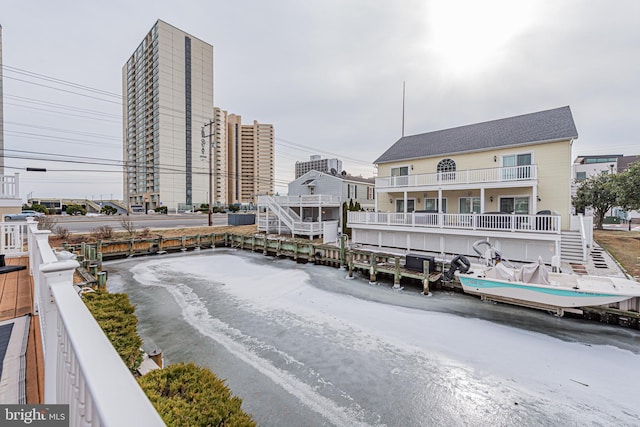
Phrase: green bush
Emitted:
{"points": [[39, 208], [161, 210], [115, 315], [108, 210], [188, 395]]}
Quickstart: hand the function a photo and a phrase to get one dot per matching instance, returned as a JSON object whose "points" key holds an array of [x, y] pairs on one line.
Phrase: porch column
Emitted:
{"points": [[405, 201], [376, 196], [534, 201], [482, 209], [440, 222]]}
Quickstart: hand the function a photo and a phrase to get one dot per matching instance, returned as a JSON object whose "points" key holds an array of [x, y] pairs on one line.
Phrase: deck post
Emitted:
{"points": [[350, 262], [372, 269], [396, 275], [425, 278]]}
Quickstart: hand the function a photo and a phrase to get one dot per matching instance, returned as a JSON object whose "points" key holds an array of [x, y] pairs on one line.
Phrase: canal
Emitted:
{"points": [[303, 346]]}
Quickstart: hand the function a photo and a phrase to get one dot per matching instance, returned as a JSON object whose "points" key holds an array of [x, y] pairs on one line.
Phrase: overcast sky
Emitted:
{"points": [[327, 74]]}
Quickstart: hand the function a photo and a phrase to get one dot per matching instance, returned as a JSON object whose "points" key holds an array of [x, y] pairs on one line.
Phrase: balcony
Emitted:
{"points": [[547, 224], [81, 367], [492, 177]]}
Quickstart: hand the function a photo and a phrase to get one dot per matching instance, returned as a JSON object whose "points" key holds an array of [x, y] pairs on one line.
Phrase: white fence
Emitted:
{"points": [[82, 369], [305, 200], [470, 176], [472, 221], [13, 238], [9, 186]]}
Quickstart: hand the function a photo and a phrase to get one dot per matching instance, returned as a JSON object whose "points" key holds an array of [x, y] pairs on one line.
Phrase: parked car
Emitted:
{"points": [[23, 215]]}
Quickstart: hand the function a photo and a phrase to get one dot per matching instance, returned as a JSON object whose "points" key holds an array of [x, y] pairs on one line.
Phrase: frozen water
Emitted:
{"points": [[303, 346]]}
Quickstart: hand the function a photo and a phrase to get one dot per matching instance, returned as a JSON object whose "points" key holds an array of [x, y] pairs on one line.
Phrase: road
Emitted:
{"points": [[84, 224]]}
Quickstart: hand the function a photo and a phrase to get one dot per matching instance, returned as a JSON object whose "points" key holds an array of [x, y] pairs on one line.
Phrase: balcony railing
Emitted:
{"points": [[472, 221], [13, 238], [469, 176], [9, 188], [81, 367], [305, 200]]}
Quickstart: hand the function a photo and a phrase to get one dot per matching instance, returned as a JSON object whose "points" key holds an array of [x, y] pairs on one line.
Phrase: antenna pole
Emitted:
{"points": [[403, 87]]}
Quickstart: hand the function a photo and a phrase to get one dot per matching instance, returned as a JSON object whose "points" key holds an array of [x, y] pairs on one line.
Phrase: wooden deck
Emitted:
{"points": [[16, 299]]}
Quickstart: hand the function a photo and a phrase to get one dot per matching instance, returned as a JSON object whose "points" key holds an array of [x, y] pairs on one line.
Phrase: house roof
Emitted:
{"points": [[544, 126]]}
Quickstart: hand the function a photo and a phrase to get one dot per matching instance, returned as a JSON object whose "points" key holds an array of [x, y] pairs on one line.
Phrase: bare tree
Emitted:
{"points": [[47, 222], [128, 226]]}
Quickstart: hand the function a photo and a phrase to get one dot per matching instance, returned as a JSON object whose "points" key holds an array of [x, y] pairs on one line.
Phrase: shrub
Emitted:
{"points": [[145, 232], [61, 232], [104, 232], [128, 225], [108, 210], [188, 395], [75, 210], [47, 223], [39, 208], [115, 315], [162, 210]]}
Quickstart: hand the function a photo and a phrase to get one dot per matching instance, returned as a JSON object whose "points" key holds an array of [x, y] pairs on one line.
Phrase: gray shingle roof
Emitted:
{"points": [[543, 126]]}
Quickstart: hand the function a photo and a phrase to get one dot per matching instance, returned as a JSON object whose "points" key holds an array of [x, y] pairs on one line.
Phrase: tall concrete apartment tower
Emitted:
{"points": [[167, 87], [220, 176], [1, 110], [250, 160], [316, 163]]}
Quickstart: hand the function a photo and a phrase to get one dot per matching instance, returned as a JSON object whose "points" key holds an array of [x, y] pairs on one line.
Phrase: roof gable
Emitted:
{"points": [[543, 126]]}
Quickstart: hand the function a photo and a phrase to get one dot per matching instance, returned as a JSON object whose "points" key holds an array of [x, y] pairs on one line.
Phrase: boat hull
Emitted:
{"points": [[538, 294]]}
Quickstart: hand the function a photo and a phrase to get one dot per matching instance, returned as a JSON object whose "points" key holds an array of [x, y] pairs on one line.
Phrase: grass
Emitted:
{"points": [[624, 246]]}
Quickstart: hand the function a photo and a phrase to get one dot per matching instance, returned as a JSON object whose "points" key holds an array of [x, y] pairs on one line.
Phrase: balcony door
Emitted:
{"points": [[516, 166], [400, 176], [411, 205], [518, 205]]}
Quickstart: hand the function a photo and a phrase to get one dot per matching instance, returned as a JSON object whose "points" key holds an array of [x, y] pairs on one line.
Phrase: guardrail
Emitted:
{"points": [[303, 200], [472, 221], [469, 176], [13, 238], [81, 367], [9, 186]]}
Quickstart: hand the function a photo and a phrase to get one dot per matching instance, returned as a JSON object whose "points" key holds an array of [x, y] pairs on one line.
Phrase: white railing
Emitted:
{"points": [[469, 176], [13, 238], [472, 221], [81, 367], [9, 186], [304, 200]]}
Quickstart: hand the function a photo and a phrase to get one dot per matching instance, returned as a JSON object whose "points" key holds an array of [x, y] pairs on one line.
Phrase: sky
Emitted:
{"points": [[327, 74]]}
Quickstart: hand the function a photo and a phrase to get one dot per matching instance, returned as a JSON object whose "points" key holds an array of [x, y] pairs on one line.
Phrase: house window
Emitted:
{"points": [[411, 205], [370, 193], [432, 205], [469, 205], [581, 176], [446, 169], [400, 171], [518, 205], [516, 166]]}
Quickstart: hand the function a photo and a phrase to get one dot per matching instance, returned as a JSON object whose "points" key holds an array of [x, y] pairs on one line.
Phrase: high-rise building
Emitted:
{"points": [[332, 166], [167, 87], [1, 111], [247, 159]]}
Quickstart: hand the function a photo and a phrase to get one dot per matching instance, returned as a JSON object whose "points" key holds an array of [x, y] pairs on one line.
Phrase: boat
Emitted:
{"points": [[536, 284]]}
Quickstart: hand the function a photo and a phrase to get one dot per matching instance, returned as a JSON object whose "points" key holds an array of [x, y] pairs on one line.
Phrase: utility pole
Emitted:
{"points": [[210, 124]]}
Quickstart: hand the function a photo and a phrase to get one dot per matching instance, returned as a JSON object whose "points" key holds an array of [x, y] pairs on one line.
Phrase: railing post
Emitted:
{"points": [[55, 274]]}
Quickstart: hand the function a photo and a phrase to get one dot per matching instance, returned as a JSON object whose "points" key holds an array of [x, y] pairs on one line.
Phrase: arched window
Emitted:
{"points": [[447, 169]]}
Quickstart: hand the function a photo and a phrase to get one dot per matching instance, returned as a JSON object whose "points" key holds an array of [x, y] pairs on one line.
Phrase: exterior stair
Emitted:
{"points": [[571, 248]]}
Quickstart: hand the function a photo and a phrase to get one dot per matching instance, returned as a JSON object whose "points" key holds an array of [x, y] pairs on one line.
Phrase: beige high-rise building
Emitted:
{"points": [[167, 87], [247, 159]]}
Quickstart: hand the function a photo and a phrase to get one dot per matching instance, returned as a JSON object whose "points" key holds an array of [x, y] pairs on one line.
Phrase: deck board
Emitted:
{"points": [[16, 299]]}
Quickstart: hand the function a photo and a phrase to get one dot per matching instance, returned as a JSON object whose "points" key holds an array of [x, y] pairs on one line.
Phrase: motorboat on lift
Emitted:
{"points": [[536, 284]]}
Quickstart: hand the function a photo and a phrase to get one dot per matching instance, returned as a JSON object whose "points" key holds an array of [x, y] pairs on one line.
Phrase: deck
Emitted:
{"points": [[16, 299]]}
